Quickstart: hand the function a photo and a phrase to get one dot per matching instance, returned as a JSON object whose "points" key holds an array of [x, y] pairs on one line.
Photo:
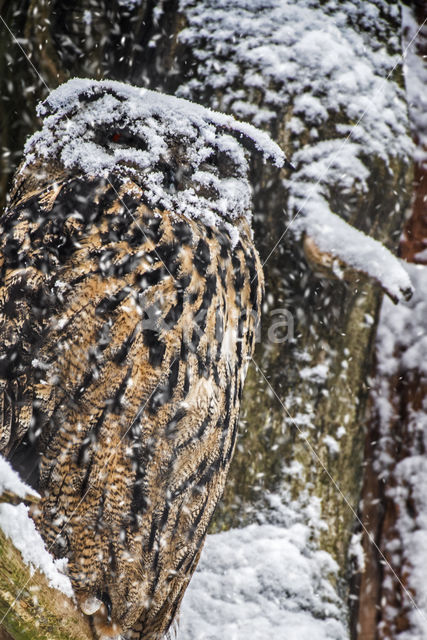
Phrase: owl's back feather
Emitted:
{"points": [[125, 334]]}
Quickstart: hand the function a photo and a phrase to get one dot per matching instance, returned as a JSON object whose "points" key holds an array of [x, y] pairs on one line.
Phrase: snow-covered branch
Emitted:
{"points": [[36, 599]]}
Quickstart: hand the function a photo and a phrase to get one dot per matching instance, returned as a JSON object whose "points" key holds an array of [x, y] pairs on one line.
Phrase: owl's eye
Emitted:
{"points": [[123, 138]]}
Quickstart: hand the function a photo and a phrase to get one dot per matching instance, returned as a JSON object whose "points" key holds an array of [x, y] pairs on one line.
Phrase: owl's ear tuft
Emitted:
{"points": [[252, 145]]}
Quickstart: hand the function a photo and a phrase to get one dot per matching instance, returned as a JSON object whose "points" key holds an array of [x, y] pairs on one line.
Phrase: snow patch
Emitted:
{"points": [[333, 235], [332, 445], [20, 528], [10, 481], [356, 553], [265, 580], [318, 373]]}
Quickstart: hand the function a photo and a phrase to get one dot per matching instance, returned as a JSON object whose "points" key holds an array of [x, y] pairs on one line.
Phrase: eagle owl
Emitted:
{"points": [[130, 293]]}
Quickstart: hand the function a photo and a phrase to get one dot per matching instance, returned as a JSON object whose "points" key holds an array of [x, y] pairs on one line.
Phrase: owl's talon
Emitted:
{"points": [[90, 605]]}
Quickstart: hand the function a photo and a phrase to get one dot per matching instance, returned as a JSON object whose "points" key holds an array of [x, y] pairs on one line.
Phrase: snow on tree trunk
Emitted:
{"points": [[36, 597], [393, 601]]}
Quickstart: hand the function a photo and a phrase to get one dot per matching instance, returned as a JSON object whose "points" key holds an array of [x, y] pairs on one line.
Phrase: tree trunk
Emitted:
{"points": [[392, 600]]}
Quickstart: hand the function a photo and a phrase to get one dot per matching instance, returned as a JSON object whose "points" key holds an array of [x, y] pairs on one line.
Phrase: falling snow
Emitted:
{"points": [[269, 578]]}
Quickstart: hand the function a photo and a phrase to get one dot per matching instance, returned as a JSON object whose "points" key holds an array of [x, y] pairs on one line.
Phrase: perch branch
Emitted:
{"points": [[29, 608]]}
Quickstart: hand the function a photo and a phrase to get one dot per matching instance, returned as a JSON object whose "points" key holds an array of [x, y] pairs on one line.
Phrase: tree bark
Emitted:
{"points": [[388, 598]]}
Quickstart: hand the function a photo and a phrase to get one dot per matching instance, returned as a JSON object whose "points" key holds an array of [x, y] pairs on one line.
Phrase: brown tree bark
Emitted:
{"points": [[388, 599]]}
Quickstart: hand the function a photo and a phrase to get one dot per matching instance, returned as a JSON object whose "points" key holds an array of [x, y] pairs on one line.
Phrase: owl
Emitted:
{"points": [[130, 294]]}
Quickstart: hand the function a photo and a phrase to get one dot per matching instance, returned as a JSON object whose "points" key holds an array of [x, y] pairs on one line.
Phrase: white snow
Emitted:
{"points": [[333, 235], [10, 481], [317, 373], [402, 347], [356, 553], [311, 60], [129, 4], [87, 17], [331, 444], [19, 527], [415, 68], [107, 126], [265, 580], [268, 578]]}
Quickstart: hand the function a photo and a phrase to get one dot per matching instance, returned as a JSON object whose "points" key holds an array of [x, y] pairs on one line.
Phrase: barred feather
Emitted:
{"points": [[125, 336]]}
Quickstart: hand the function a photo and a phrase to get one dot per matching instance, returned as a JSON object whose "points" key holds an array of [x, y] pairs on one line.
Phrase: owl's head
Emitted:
{"points": [[186, 158]]}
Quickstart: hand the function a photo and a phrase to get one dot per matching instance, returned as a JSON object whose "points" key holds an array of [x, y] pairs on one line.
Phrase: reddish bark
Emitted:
{"points": [[385, 597], [414, 240]]}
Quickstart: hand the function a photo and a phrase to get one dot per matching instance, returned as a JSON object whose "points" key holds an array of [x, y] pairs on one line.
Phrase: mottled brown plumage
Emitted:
{"points": [[126, 332]]}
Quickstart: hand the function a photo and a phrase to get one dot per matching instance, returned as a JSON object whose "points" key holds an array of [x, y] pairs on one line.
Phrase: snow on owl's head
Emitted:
{"points": [[187, 158]]}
